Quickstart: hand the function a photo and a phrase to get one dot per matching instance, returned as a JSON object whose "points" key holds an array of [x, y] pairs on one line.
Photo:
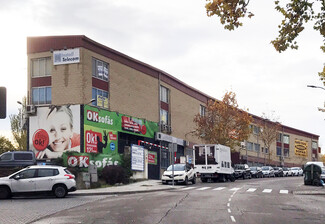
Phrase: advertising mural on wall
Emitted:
{"points": [[301, 148], [54, 130]]}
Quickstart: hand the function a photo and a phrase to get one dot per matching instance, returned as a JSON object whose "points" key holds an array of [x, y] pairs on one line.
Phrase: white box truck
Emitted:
{"points": [[213, 162]]}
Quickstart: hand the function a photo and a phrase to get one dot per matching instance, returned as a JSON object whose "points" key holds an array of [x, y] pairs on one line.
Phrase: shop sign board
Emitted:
{"points": [[152, 158], [137, 158], [85, 160], [301, 148], [69, 56]]}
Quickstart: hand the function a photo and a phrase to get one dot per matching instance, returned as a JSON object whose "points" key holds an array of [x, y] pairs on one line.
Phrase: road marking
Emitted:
{"points": [[218, 188], [233, 219], [251, 190], [229, 211], [187, 188], [228, 204], [267, 191], [229, 199], [284, 191], [234, 189], [203, 188]]}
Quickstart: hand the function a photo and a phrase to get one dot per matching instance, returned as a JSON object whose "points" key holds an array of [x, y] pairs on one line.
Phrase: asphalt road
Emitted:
{"points": [[268, 200]]}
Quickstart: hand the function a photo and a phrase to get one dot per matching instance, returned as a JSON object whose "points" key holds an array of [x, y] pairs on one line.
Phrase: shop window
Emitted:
{"points": [[100, 69], [101, 98], [41, 95], [41, 67]]}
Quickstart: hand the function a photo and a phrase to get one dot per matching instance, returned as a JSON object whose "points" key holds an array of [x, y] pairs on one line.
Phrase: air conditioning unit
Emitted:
{"points": [[30, 109]]}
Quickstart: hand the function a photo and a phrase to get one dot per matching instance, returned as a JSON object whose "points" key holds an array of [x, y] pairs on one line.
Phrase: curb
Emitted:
{"points": [[119, 192]]}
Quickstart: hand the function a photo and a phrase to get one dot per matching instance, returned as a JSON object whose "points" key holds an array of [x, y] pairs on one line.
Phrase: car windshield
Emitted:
{"points": [[239, 166], [253, 168], [276, 168], [295, 168], [177, 167], [265, 168]]}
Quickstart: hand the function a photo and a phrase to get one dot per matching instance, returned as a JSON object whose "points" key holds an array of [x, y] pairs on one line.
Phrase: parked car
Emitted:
{"points": [[242, 171], [287, 171], [17, 159], [268, 171], [297, 171], [278, 172], [35, 179], [256, 172], [322, 176], [183, 173]]}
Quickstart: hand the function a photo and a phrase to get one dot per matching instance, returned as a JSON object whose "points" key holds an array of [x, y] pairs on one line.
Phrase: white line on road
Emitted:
{"points": [[229, 199], [251, 190], [187, 188], [234, 189], [219, 188], [284, 191], [267, 191], [233, 219], [203, 188], [229, 211], [228, 204]]}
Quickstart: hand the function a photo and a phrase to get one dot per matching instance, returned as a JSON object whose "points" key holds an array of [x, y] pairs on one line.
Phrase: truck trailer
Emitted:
{"points": [[213, 162]]}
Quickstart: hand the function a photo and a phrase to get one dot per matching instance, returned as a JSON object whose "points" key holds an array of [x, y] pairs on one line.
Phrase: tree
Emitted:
{"points": [[269, 132], [17, 127], [223, 122], [5, 145], [322, 158], [296, 14]]}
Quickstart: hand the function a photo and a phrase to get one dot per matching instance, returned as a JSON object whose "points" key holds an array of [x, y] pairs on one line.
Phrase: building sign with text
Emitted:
{"points": [[69, 56], [301, 148]]}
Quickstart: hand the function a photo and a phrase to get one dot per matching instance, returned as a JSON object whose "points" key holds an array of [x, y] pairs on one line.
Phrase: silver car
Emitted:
{"points": [[55, 179]]}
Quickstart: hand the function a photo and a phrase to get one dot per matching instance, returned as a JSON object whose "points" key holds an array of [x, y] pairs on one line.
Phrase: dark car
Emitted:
{"points": [[17, 159], [242, 171], [256, 172], [278, 172]]}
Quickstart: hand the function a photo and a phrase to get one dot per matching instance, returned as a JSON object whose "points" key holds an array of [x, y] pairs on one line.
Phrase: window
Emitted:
{"points": [[6, 157], [256, 147], [47, 172], [101, 97], [164, 92], [41, 67], [23, 156], [256, 130], [164, 116], [41, 95], [314, 145], [100, 70], [249, 146], [286, 139], [286, 152], [279, 137], [278, 151], [27, 174], [266, 150], [202, 110]]}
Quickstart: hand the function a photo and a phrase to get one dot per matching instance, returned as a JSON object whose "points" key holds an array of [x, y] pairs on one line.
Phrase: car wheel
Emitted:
{"points": [[186, 181], [232, 178], [5, 192], [194, 180], [60, 191]]}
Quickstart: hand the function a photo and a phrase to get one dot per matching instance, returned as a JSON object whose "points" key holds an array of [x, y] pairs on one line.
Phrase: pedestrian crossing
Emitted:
{"points": [[235, 189]]}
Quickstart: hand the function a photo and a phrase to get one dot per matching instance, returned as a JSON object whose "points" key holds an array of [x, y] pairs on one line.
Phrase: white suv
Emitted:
{"points": [[55, 179], [183, 173]]}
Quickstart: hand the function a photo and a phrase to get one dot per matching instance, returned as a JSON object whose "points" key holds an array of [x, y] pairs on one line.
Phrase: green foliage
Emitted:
{"points": [[114, 174], [18, 131], [5, 145]]}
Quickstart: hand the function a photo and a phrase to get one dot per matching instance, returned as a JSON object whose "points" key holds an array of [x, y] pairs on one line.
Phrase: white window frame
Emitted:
{"points": [[96, 65], [202, 110], [38, 102], [40, 69], [164, 94]]}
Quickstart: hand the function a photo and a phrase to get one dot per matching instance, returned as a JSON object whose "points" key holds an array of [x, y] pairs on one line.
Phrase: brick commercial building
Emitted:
{"points": [[114, 102]]}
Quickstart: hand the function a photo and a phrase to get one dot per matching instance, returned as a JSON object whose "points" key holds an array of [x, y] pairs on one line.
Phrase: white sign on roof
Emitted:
{"points": [[69, 56]]}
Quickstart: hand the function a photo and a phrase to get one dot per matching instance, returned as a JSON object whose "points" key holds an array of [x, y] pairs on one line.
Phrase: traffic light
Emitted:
{"points": [[3, 102]]}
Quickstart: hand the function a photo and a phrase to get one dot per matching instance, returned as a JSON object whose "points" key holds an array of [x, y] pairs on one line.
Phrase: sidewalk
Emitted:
{"points": [[138, 187]]}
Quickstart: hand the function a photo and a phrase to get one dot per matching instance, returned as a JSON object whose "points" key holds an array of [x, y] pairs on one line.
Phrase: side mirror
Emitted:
{"points": [[17, 177]]}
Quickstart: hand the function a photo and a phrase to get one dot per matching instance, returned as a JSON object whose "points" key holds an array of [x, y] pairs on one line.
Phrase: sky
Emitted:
{"points": [[178, 38]]}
